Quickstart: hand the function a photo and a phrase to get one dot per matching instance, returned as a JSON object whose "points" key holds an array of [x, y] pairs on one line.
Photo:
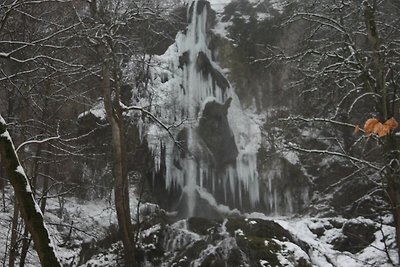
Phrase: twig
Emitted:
{"points": [[157, 120], [334, 153]]}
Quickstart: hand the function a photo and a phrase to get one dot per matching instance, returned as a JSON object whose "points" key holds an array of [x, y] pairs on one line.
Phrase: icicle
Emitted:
{"points": [[186, 92]]}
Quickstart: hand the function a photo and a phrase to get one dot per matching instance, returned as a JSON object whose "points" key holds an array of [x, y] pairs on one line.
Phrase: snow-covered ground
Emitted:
{"points": [[71, 222], [321, 251], [81, 222]]}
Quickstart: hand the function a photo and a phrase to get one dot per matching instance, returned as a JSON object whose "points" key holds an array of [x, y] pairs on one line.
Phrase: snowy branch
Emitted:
{"points": [[334, 153], [30, 210], [324, 120], [37, 142], [156, 120]]}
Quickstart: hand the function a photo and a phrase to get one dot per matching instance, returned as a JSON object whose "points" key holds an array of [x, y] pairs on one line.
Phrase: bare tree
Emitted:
{"points": [[30, 210], [114, 31], [346, 65], [42, 80]]}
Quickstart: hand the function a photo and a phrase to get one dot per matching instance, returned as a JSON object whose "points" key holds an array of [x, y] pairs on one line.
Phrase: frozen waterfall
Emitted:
{"points": [[216, 160]]}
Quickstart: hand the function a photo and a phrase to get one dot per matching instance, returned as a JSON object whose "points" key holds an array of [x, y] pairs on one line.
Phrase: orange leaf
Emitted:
{"points": [[381, 129], [370, 125], [391, 123]]}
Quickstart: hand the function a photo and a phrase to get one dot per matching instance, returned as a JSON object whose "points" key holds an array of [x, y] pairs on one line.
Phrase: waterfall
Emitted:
{"points": [[216, 161]]}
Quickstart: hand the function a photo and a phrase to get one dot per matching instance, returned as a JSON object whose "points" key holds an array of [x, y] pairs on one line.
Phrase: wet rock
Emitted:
{"points": [[258, 228], [350, 191], [201, 5], [233, 242], [356, 236], [369, 206], [201, 226], [290, 184], [335, 223], [95, 247], [204, 65], [184, 59], [215, 131], [319, 231]]}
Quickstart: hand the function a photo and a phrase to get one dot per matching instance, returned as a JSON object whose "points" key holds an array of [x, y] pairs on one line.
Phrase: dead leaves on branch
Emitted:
{"points": [[369, 126], [391, 123], [374, 126]]}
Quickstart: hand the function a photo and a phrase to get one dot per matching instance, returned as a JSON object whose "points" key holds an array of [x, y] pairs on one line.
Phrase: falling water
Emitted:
{"points": [[184, 97]]}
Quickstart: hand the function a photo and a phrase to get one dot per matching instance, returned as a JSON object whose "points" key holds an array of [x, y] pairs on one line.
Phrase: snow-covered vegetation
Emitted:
{"points": [[199, 133]]}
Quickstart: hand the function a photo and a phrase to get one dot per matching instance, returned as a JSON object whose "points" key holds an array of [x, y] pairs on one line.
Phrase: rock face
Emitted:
{"points": [[356, 236], [233, 242], [233, 149], [214, 129], [290, 181], [204, 65], [219, 162], [215, 162], [286, 187]]}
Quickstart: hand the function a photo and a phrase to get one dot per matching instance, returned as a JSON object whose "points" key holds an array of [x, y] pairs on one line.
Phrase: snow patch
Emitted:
{"points": [[7, 136], [291, 156], [97, 110], [219, 5], [20, 170], [239, 232], [2, 121]]}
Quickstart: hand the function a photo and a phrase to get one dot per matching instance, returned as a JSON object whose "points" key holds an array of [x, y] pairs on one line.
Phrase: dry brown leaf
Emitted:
{"points": [[377, 127], [356, 129], [392, 123], [370, 125], [381, 129]]}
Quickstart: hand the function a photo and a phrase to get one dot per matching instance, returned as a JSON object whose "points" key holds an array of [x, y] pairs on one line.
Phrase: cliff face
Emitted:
{"points": [[225, 101], [209, 84], [248, 39], [241, 38], [231, 98]]}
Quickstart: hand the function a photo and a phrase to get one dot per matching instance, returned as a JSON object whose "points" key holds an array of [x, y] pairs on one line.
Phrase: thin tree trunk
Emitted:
{"points": [[14, 235], [378, 58], [25, 247], [121, 189], [392, 174], [3, 188], [27, 240], [114, 117], [45, 188], [392, 171], [29, 209], [26, 237]]}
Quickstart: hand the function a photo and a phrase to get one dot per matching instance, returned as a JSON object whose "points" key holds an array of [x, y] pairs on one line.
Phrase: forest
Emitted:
{"points": [[195, 133]]}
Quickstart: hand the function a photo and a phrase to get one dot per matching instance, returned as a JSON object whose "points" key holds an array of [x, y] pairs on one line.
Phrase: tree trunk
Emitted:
{"points": [[34, 173], [25, 247], [14, 235], [392, 167], [378, 58], [392, 174], [29, 209], [45, 188], [121, 189]]}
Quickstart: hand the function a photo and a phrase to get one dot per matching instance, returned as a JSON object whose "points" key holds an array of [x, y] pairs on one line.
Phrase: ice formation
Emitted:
{"points": [[183, 90]]}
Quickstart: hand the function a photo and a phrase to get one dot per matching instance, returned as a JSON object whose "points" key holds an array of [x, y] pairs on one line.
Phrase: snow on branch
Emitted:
{"points": [[324, 120], [155, 119], [333, 153], [30, 210], [37, 142], [323, 20]]}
